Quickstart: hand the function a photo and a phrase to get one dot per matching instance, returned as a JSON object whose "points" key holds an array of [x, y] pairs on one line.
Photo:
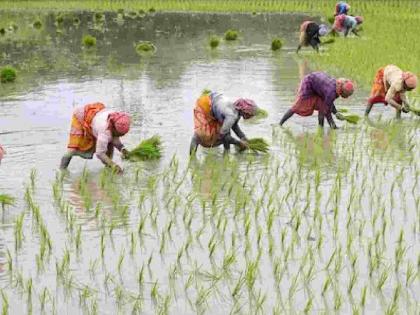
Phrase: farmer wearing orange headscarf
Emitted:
{"points": [[390, 86], [215, 116], [318, 91], [96, 130]]}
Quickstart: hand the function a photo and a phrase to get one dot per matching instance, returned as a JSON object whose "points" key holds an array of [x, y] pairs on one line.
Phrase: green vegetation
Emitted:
{"points": [[89, 41], [258, 145], [214, 41], [7, 74], [37, 24], [276, 44], [231, 35], [148, 149], [145, 47]]}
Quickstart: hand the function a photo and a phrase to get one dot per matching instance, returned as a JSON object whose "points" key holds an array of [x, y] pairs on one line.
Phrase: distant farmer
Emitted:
{"points": [[2, 153], [310, 33], [96, 130], [214, 118], [389, 87], [341, 8], [347, 23], [318, 91]]}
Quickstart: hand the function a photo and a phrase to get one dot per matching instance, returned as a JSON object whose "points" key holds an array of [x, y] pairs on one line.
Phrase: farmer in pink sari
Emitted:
{"points": [[214, 118], [317, 92], [96, 130], [347, 23]]}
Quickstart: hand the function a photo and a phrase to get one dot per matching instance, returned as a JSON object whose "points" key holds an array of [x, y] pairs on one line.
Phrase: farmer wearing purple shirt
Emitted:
{"points": [[318, 91]]}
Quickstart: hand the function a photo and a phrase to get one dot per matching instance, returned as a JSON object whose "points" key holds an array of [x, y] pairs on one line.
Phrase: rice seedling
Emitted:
{"points": [[89, 41], [276, 44], [258, 145], [37, 24], [231, 35], [145, 47], [214, 42], [7, 74], [148, 149], [6, 200]]}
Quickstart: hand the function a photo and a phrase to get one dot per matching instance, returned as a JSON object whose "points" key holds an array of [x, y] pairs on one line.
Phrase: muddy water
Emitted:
{"points": [[159, 91]]}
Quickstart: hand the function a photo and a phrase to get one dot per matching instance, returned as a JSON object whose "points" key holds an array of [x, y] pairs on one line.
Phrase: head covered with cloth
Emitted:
{"points": [[344, 87], [119, 122], [246, 107]]}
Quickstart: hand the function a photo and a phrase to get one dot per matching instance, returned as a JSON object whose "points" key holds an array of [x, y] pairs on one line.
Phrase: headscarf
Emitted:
{"points": [[359, 19], [246, 107], [410, 79], [323, 30], [120, 121], [345, 87]]}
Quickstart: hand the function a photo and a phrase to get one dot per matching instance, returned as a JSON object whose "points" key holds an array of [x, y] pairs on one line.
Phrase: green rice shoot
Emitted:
{"points": [[149, 149], [351, 118], [258, 145]]}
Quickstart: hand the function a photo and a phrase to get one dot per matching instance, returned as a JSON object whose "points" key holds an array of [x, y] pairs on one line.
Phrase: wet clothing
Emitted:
{"points": [[388, 84], [309, 34], [345, 23], [90, 132], [214, 117], [317, 91], [341, 8]]}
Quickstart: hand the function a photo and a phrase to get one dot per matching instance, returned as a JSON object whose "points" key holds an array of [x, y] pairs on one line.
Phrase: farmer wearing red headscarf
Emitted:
{"points": [[318, 91], [347, 23], [215, 116], [96, 130], [390, 86]]}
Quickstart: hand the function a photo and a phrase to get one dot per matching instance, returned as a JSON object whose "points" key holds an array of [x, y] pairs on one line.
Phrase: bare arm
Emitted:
{"points": [[389, 97], [237, 130]]}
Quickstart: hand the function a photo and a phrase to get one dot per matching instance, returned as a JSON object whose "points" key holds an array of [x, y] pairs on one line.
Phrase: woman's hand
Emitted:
{"points": [[243, 145], [339, 116], [124, 153]]}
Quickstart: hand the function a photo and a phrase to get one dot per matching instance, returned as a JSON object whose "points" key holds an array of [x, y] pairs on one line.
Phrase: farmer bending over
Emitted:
{"points": [[95, 129], [347, 23], [215, 116], [389, 87], [318, 91], [341, 8], [310, 33]]}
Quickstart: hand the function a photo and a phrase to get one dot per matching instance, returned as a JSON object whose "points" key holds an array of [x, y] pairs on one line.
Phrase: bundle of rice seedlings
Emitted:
{"points": [[351, 118], [214, 42], [342, 110], [148, 149], [328, 41], [145, 47], [261, 113], [231, 35], [89, 41], [7, 74], [276, 44], [415, 110], [258, 145]]}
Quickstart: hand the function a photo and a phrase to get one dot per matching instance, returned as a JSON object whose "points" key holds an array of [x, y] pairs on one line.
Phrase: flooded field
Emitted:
{"points": [[326, 222]]}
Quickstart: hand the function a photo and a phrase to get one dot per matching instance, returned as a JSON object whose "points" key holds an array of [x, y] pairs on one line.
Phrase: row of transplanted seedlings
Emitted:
{"points": [[276, 234]]}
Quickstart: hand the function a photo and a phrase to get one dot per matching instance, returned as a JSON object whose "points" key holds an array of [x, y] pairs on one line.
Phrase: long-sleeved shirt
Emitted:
{"points": [[394, 83], [225, 112], [322, 85], [341, 8], [350, 22], [102, 133]]}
